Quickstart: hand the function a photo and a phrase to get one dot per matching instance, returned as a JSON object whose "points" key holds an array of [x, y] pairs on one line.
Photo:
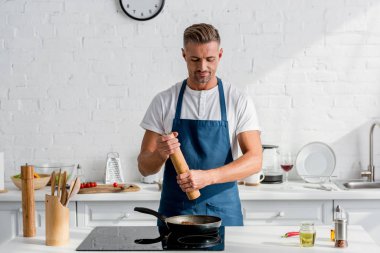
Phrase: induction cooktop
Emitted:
{"points": [[149, 238]]}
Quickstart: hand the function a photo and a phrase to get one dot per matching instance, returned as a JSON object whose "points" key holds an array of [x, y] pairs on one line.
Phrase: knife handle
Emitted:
{"points": [[181, 167]]}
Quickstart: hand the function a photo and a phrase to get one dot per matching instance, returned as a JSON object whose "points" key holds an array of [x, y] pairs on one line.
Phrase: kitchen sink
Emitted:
{"points": [[357, 184], [362, 185]]}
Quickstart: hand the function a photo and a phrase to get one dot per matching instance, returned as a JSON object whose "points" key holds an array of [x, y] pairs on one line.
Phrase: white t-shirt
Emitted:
{"points": [[202, 105]]}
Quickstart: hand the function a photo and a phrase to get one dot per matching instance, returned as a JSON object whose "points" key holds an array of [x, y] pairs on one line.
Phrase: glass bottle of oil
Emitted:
{"points": [[332, 234], [307, 234]]}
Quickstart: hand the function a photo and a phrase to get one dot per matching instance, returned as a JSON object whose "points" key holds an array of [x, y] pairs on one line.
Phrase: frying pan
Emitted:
{"points": [[189, 224]]}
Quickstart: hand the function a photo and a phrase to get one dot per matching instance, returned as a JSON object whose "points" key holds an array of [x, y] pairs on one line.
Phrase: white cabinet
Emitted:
{"points": [[11, 218], [40, 216], [365, 213], [121, 213], [8, 220], [255, 212], [286, 212]]}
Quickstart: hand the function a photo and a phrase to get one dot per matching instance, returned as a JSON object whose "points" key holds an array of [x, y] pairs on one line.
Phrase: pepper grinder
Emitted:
{"points": [[180, 166], [28, 206]]}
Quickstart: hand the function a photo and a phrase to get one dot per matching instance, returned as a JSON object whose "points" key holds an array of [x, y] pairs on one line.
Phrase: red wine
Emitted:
{"points": [[287, 167]]}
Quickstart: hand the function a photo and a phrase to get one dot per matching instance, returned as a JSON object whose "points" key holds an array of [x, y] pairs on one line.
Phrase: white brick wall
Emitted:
{"points": [[77, 76]]}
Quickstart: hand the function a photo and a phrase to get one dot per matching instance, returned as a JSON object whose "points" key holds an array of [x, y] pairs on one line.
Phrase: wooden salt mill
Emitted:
{"points": [[181, 166], [28, 206]]}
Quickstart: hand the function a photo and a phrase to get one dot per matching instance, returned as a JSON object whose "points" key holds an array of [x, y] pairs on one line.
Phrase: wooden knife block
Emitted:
{"points": [[56, 221]]}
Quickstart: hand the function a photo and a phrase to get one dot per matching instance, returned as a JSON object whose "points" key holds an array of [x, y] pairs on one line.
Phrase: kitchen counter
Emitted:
{"points": [[237, 239], [273, 205], [293, 191]]}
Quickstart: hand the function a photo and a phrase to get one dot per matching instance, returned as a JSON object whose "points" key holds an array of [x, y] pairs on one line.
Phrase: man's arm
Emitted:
{"points": [[246, 165], [155, 150]]}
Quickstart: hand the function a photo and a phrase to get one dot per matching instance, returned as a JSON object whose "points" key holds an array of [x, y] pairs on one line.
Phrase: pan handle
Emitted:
{"points": [[163, 237], [150, 241], [151, 212]]}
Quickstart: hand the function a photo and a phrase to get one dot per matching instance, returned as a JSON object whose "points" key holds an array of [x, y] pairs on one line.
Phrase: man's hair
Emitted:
{"points": [[200, 34]]}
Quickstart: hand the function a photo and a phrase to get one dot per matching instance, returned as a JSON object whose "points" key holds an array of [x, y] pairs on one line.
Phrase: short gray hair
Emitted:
{"points": [[200, 34]]}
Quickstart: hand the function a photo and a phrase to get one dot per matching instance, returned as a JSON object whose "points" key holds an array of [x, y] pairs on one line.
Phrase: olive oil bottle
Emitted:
{"points": [[307, 234]]}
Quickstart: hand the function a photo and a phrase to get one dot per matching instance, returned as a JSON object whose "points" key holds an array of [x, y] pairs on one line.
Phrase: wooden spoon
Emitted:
{"points": [[75, 189], [64, 190], [52, 183], [69, 191], [59, 185]]}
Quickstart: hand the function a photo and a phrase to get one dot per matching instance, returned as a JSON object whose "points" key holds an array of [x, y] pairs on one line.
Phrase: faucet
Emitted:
{"points": [[370, 173]]}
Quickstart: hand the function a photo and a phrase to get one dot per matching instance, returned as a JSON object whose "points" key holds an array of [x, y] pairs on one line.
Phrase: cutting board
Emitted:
{"points": [[108, 188]]}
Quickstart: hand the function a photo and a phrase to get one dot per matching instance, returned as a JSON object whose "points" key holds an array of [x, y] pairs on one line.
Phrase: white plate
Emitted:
{"points": [[315, 162]]}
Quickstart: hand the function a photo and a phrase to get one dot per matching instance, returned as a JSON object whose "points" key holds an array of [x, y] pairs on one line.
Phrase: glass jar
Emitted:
{"points": [[307, 234]]}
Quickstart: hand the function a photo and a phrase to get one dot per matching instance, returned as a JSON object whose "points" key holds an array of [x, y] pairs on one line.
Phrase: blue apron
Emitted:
{"points": [[205, 145]]}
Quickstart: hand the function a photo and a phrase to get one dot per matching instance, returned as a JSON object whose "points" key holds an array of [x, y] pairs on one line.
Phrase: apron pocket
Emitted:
{"points": [[230, 215], [214, 210]]}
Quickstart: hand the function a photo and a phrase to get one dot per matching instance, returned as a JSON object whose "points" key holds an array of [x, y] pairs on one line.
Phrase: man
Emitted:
{"points": [[206, 119]]}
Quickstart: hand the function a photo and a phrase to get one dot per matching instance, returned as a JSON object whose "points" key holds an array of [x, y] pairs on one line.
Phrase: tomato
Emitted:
{"points": [[95, 184], [115, 184], [88, 185], [92, 184]]}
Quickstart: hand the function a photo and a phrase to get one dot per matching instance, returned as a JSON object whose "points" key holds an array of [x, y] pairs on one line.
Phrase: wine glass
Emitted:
{"points": [[286, 164]]}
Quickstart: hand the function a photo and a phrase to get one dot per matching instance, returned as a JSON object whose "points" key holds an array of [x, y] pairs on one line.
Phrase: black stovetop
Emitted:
{"points": [[139, 238]]}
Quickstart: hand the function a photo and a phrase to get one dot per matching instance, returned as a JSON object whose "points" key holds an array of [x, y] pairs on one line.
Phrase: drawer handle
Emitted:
{"points": [[281, 214], [125, 216]]}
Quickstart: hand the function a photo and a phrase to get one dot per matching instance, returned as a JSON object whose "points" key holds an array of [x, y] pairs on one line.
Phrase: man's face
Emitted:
{"points": [[202, 61]]}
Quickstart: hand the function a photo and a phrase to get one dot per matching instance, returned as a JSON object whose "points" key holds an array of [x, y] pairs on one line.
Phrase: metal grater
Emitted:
{"points": [[113, 169]]}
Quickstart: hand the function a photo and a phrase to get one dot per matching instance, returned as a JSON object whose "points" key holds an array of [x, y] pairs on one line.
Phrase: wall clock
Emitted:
{"points": [[142, 10]]}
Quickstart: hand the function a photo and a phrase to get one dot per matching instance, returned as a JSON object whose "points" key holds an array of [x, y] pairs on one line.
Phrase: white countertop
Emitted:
{"points": [[293, 191], [237, 239]]}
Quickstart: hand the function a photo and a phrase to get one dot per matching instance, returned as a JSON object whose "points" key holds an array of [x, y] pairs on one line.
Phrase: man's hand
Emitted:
{"points": [[155, 150], [167, 145], [194, 180]]}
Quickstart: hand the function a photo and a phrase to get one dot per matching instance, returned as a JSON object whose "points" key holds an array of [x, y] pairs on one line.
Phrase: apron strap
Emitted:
{"points": [[221, 100], [179, 101]]}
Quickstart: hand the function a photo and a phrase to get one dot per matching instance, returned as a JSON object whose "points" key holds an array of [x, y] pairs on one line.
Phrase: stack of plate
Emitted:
{"points": [[315, 162]]}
